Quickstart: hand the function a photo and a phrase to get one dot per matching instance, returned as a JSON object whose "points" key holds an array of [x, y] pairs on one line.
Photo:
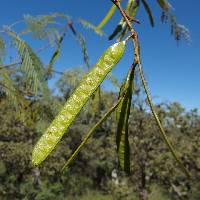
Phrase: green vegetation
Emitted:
{"points": [[124, 157], [153, 170]]}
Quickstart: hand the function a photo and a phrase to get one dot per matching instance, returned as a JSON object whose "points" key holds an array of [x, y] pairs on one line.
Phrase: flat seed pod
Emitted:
{"points": [[123, 111], [89, 83]]}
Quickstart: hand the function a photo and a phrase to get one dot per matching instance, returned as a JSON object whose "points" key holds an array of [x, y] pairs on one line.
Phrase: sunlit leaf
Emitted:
{"points": [[107, 17]]}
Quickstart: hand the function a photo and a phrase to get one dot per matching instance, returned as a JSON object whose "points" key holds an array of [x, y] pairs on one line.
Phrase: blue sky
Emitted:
{"points": [[172, 71]]}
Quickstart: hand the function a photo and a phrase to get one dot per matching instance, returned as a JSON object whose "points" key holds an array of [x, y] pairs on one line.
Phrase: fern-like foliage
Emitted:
{"points": [[44, 26], [7, 87], [89, 25], [31, 66], [54, 57], [179, 31], [2, 49], [82, 43], [40, 27], [70, 79], [37, 25]]}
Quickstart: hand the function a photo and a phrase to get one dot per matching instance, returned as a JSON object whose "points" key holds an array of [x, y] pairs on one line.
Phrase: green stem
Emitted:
{"points": [[137, 60], [163, 134]]}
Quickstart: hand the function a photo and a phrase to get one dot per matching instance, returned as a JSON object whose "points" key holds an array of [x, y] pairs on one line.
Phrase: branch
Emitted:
{"points": [[137, 61]]}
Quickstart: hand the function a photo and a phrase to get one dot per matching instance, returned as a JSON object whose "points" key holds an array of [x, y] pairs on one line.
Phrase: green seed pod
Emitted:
{"points": [[89, 83], [123, 111]]}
